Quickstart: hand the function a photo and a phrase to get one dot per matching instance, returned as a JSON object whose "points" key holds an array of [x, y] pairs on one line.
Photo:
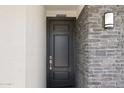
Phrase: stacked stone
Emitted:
{"points": [[99, 51]]}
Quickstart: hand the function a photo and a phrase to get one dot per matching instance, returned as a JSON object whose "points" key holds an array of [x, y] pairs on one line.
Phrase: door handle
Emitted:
{"points": [[50, 62]]}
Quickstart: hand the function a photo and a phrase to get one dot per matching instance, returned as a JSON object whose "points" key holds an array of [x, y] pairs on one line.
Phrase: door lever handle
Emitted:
{"points": [[50, 61]]}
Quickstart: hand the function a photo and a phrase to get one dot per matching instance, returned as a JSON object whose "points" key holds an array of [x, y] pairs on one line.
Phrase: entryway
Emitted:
{"points": [[60, 59]]}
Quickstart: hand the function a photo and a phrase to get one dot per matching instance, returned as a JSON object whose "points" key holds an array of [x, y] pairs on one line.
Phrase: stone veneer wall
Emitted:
{"points": [[99, 52]]}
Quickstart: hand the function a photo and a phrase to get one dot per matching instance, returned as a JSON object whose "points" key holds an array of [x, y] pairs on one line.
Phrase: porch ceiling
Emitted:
{"points": [[69, 10]]}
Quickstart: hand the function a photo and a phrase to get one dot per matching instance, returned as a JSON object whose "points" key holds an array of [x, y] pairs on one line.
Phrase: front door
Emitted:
{"points": [[60, 64]]}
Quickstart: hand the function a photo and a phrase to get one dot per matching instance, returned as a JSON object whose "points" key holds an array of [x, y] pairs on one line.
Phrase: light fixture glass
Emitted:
{"points": [[109, 20]]}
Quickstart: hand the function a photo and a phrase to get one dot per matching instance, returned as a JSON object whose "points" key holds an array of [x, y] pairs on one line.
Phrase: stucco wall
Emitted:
{"points": [[36, 47], [100, 52], [12, 46], [22, 46]]}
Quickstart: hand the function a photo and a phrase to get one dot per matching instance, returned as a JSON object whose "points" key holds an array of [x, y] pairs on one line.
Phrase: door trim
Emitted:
{"points": [[48, 19]]}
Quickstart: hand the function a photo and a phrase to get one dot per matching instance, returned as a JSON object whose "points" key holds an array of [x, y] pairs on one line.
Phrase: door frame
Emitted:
{"points": [[48, 19]]}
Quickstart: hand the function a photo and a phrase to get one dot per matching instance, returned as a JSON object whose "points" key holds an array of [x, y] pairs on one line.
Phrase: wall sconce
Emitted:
{"points": [[109, 20]]}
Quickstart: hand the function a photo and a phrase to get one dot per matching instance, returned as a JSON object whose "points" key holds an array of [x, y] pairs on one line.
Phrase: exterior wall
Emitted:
{"points": [[35, 47], [80, 53], [22, 46], [100, 52], [12, 46]]}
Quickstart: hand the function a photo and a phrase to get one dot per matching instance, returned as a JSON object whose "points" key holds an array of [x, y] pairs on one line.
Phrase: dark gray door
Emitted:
{"points": [[60, 66]]}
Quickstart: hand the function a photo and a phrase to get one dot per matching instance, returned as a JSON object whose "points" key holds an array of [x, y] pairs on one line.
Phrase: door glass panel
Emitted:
{"points": [[61, 50]]}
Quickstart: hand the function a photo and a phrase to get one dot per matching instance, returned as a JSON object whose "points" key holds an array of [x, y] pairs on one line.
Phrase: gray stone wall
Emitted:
{"points": [[99, 52], [81, 35]]}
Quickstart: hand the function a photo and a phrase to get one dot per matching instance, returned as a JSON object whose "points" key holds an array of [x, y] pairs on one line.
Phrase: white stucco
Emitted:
{"points": [[22, 46], [12, 46], [36, 47]]}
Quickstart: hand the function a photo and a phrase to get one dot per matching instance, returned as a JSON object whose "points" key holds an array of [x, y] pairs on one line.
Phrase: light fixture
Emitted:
{"points": [[109, 20]]}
